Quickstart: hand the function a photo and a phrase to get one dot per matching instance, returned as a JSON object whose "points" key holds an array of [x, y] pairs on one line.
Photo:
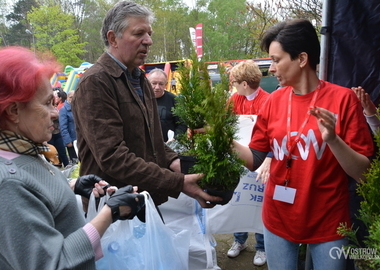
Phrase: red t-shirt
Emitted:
{"points": [[322, 200], [244, 106]]}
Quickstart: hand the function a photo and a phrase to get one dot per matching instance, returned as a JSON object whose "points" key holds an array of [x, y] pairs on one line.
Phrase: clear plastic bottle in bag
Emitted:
{"points": [[139, 231]]}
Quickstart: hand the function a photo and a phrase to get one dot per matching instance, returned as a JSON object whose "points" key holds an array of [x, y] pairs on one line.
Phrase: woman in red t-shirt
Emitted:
{"points": [[318, 135]]}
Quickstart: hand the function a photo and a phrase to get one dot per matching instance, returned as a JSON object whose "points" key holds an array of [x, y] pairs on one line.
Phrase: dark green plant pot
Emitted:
{"points": [[187, 162], [225, 194]]}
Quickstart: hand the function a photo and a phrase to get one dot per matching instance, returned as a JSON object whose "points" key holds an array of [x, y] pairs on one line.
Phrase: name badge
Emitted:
{"points": [[284, 194]]}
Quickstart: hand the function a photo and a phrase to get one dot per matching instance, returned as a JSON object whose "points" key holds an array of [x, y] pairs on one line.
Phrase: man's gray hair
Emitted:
{"points": [[115, 18], [155, 70]]}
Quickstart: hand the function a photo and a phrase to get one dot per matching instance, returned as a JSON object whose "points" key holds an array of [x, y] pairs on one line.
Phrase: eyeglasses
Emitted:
{"points": [[235, 82]]}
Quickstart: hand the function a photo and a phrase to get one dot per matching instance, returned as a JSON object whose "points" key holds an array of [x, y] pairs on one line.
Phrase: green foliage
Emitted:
{"points": [[369, 211], [171, 31], [201, 105], [75, 172], [68, 50], [225, 35], [194, 82], [94, 12], [216, 159], [370, 206], [374, 241], [370, 189], [18, 24], [55, 32], [348, 232], [231, 29]]}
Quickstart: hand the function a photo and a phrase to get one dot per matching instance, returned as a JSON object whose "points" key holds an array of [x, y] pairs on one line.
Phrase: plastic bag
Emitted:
{"points": [[132, 244], [186, 213]]}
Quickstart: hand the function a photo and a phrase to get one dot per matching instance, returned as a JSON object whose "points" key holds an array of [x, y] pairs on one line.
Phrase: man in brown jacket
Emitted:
{"points": [[118, 126]]}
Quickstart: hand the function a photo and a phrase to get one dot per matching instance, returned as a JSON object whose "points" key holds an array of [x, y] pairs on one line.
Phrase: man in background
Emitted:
{"points": [[165, 103]]}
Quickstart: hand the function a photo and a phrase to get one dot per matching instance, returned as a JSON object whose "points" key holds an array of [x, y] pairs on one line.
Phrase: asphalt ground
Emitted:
{"points": [[242, 262]]}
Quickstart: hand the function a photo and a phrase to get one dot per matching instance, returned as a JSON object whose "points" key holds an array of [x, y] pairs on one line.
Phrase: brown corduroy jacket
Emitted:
{"points": [[119, 137]]}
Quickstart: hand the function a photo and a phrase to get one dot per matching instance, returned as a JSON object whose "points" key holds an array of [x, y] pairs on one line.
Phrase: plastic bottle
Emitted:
{"points": [[139, 231], [113, 247]]}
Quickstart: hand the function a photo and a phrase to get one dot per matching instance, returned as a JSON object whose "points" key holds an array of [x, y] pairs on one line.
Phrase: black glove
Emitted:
{"points": [[85, 184], [124, 196], [141, 213]]}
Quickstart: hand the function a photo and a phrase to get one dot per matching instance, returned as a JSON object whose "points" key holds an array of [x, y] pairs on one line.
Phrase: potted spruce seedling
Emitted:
{"points": [[200, 105], [189, 108]]}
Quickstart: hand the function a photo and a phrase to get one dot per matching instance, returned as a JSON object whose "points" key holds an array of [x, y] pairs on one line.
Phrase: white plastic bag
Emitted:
{"points": [[132, 244], [243, 212], [186, 213]]}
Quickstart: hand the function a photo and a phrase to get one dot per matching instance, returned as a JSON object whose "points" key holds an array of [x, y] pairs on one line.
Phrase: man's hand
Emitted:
{"points": [[192, 189]]}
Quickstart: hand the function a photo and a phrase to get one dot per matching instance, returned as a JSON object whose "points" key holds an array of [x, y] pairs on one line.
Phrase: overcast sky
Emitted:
{"points": [[190, 3]]}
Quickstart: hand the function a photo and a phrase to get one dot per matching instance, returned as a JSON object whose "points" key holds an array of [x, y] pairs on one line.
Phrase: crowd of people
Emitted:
{"points": [[64, 134], [310, 134]]}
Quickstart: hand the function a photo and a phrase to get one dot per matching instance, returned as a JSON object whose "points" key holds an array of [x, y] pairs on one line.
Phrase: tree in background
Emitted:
{"points": [[263, 15], [225, 34], [18, 24], [94, 12], [3, 28], [231, 29], [55, 32], [171, 36], [302, 9], [88, 20]]}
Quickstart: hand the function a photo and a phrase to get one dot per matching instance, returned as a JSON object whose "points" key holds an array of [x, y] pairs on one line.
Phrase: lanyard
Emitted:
{"points": [[290, 146]]}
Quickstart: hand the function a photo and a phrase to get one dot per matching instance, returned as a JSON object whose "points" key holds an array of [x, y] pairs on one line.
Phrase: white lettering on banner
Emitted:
{"points": [[279, 151]]}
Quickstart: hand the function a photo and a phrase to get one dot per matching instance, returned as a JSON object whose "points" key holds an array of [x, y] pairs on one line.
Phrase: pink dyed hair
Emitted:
{"points": [[21, 72]]}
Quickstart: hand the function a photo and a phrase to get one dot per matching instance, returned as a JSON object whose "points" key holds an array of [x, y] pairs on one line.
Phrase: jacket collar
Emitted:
{"points": [[115, 67], [110, 65], [67, 106]]}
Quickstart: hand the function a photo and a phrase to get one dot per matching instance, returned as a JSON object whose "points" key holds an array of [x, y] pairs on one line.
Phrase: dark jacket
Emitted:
{"points": [[169, 121], [119, 138]]}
